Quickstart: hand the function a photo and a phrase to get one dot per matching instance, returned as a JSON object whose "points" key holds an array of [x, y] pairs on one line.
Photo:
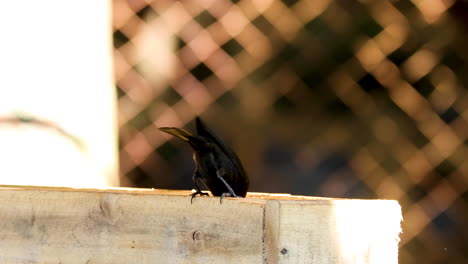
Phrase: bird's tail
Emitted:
{"points": [[180, 133]]}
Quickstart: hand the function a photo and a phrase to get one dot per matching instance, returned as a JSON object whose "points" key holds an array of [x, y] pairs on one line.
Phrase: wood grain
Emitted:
{"points": [[124, 225]]}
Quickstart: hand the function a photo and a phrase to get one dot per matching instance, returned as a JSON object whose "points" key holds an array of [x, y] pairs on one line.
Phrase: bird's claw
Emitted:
{"points": [[228, 194], [196, 193]]}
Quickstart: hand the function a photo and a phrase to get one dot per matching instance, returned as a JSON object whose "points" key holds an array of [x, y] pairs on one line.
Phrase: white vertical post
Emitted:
{"points": [[57, 99]]}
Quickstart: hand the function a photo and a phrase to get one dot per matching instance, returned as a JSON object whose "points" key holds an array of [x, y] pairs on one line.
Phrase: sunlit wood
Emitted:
{"points": [[124, 225]]}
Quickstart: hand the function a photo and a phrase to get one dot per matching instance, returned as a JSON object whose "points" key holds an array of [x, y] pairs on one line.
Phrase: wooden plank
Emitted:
{"points": [[334, 231], [66, 225]]}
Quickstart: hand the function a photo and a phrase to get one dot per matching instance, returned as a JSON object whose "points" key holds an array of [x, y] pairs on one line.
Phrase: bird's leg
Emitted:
{"points": [[195, 178], [231, 192]]}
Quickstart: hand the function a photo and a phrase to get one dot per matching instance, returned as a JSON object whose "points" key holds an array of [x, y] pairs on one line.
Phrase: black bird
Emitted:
{"points": [[216, 165]]}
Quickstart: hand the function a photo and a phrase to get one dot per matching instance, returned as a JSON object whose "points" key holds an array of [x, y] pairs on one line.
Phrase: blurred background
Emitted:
{"points": [[353, 99]]}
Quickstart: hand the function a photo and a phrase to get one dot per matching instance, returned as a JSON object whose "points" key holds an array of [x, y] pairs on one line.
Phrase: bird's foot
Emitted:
{"points": [[228, 194], [198, 192]]}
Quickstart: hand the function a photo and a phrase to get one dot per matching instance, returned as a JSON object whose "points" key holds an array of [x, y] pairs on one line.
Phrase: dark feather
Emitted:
{"points": [[217, 166], [205, 132]]}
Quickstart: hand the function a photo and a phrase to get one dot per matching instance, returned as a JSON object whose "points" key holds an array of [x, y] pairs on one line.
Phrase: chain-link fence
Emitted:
{"points": [[359, 99]]}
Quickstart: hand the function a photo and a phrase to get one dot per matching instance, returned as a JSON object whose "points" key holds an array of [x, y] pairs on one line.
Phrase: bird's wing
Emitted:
{"points": [[205, 132]]}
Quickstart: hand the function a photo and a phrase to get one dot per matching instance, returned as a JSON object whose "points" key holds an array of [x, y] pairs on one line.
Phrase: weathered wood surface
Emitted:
{"points": [[123, 225]]}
